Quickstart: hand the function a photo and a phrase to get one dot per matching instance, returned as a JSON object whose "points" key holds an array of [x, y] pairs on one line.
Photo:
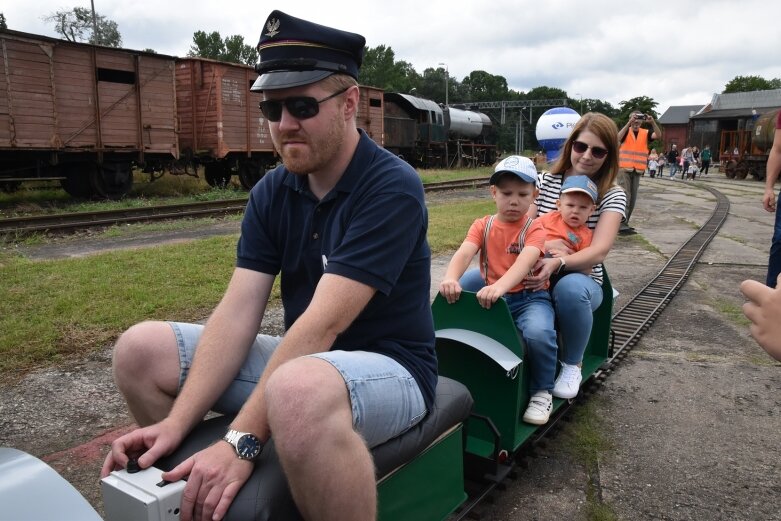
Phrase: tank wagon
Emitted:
{"points": [[428, 135], [744, 152], [83, 114]]}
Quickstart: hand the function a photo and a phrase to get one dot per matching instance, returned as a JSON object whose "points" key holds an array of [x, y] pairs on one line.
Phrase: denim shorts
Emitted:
{"points": [[384, 396]]}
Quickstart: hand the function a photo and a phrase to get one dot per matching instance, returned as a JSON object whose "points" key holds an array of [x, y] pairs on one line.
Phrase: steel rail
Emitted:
{"points": [[84, 220]]}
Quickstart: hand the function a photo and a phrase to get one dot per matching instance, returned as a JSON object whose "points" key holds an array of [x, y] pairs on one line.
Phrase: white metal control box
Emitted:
{"points": [[141, 496]]}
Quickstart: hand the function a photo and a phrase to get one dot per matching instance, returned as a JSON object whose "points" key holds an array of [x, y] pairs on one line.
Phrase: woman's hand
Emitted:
{"points": [[542, 270], [558, 248]]}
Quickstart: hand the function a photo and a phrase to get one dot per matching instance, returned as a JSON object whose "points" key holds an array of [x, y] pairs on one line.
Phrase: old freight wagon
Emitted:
{"points": [[221, 125], [83, 114], [220, 122]]}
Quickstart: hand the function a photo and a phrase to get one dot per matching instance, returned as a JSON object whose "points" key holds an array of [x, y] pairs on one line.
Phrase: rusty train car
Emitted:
{"points": [[89, 116], [82, 114], [745, 152]]}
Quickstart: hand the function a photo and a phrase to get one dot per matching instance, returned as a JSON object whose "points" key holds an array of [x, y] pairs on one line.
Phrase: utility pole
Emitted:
{"points": [[447, 73], [96, 39]]}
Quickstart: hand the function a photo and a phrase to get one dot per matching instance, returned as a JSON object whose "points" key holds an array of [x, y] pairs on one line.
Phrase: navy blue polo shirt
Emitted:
{"points": [[371, 227]]}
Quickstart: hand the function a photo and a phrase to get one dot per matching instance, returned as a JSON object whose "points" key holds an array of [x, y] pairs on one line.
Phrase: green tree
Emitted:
{"points": [[751, 83], [2, 22], [544, 92], [231, 49], [78, 25], [642, 104], [482, 86], [432, 85], [380, 69]]}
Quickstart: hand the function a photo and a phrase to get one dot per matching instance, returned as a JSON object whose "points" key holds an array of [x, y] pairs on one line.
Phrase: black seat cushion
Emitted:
{"points": [[266, 496]]}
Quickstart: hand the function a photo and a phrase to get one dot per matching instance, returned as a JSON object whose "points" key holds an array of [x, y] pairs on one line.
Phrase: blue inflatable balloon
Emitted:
{"points": [[553, 129]]}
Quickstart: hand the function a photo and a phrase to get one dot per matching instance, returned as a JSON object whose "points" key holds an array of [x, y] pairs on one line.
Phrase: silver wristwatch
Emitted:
{"points": [[247, 445]]}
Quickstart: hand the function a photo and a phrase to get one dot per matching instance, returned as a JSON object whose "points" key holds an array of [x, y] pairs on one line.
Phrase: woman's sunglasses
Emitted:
{"points": [[300, 107], [580, 147]]}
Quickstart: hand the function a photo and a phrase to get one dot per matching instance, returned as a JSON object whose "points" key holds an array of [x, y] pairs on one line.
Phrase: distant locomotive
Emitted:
{"points": [[428, 135], [88, 116]]}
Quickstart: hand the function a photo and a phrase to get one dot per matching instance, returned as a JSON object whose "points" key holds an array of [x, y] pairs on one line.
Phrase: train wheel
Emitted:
{"points": [[77, 180], [729, 168], [741, 170], [217, 175], [250, 173], [10, 187], [112, 180]]}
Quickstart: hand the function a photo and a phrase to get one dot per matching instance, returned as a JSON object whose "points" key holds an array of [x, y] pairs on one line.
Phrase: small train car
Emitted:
{"points": [[83, 114]]}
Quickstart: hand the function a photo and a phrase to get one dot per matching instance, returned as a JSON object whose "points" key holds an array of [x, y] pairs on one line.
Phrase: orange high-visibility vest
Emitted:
{"points": [[634, 151]]}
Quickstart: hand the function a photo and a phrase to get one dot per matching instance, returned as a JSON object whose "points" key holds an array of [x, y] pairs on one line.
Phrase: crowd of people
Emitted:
{"points": [[689, 162]]}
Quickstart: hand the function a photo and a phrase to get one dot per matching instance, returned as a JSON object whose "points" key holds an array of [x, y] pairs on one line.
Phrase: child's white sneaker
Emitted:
{"points": [[568, 383], [539, 409]]}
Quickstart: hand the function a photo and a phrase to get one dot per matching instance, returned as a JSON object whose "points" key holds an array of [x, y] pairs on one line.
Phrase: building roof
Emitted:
{"points": [[751, 100], [735, 113], [679, 115]]}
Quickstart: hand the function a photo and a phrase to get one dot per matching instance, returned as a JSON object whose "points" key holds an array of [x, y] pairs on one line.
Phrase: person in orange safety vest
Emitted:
{"points": [[633, 155]]}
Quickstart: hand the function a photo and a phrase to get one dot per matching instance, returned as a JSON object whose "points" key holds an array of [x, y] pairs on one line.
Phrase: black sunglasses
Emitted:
{"points": [[300, 107], [580, 147]]}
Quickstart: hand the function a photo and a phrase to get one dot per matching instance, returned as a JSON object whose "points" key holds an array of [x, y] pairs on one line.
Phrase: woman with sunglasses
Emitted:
{"points": [[591, 150]]}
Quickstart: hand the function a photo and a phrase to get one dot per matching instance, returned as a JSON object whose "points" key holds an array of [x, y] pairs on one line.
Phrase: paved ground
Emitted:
{"points": [[691, 417]]}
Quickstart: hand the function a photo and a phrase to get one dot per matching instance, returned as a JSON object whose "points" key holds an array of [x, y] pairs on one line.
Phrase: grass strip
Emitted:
{"points": [[65, 308]]}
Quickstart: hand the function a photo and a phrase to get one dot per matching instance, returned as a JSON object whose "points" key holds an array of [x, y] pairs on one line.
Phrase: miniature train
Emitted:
{"points": [[473, 434], [88, 116]]}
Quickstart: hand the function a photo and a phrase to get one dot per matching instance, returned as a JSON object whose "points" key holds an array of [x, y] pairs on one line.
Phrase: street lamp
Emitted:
{"points": [[447, 73], [581, 102]]}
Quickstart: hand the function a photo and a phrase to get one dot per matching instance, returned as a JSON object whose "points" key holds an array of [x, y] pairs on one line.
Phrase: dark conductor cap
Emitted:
{"points": [[295, 52]]}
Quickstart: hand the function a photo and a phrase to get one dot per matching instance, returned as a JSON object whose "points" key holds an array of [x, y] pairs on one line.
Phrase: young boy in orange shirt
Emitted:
{"points": [[510, 243], [568, 224]]}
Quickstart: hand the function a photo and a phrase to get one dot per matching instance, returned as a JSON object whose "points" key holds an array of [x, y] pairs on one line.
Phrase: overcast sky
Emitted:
{"points": [[676, 52]]}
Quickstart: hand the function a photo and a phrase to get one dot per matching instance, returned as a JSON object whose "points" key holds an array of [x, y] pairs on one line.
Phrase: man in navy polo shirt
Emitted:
{"points": [[344, 224]]}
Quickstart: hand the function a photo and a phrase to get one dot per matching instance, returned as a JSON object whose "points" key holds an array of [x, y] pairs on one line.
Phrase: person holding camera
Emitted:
{"points": [[633, 155]]}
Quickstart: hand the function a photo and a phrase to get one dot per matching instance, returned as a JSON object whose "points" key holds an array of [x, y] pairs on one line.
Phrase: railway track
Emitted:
{"points": [[68, 222], [629, 324]]}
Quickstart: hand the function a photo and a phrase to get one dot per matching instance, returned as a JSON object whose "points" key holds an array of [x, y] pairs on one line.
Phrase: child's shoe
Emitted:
{"points": [[539, 409], [568, 383]]}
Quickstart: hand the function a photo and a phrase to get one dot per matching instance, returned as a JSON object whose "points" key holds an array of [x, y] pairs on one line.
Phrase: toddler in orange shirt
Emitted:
{"points": [[566, 228]]}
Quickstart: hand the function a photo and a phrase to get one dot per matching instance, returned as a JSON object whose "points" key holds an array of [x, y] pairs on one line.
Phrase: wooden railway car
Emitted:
{"points": [[222, 127], [220, 123], [83, 114], [371, 111]]}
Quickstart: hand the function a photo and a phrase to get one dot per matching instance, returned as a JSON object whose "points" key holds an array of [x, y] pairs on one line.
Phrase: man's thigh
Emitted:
{"points": [[384, 396], [232, 400]]}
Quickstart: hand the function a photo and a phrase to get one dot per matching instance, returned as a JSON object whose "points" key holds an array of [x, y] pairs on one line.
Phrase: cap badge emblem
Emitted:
{"points": [[273, 27]]}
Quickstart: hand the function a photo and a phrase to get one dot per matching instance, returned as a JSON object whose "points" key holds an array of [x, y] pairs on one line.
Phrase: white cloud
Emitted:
{"points": [[677, 53]]}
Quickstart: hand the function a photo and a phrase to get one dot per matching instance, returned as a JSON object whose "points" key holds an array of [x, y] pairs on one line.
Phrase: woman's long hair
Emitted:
{"points": [[607, 132]]}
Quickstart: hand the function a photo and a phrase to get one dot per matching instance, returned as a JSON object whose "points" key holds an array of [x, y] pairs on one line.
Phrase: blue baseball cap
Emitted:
{"points": [[521, 166], [294, 52], [580, 183]]}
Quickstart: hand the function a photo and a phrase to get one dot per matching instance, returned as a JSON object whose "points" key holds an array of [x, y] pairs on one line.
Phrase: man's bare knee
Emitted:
{"points": [[146, 354]]}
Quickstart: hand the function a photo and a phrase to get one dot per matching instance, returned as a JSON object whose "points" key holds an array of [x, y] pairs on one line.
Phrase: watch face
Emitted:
{"points": [[248, 446]]}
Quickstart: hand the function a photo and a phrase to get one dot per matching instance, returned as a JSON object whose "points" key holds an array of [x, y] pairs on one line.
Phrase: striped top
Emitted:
{"points": [[550, 190]]}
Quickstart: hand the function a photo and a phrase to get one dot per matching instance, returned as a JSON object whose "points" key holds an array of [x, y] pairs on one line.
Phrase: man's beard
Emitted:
{"points": [[319, 150]]}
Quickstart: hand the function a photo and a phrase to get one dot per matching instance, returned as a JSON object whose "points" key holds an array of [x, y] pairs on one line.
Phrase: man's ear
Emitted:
{"points": [[352, 98]]}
